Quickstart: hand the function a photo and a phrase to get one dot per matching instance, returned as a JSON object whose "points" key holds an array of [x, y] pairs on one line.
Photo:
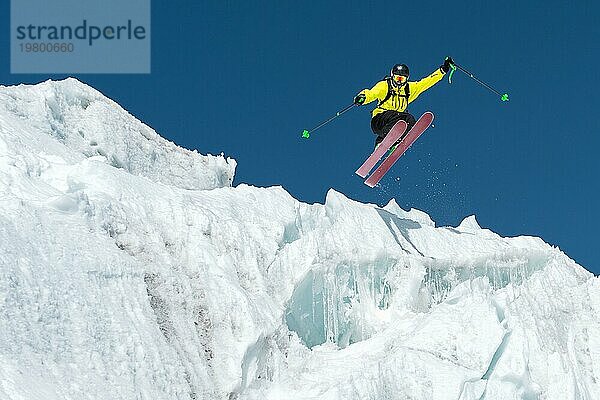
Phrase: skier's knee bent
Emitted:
{"points": [[382, 123]]}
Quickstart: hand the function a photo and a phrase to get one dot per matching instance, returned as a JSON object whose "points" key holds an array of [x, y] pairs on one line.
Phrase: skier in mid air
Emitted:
{"points": [[396, 129], [394, 93]]}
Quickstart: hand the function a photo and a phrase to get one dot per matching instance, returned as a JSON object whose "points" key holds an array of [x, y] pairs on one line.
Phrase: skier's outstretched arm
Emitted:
{"points": [[377, 92], [416, 88]]}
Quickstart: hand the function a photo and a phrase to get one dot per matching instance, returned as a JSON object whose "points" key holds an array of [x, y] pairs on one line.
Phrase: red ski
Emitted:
{"points": [[392, 137], [416, 131]]}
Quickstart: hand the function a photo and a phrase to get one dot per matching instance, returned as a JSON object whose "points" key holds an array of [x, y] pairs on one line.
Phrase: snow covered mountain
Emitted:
{"points": [[130, 268]]}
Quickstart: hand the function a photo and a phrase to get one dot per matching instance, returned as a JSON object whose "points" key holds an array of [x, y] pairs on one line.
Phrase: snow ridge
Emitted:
{"points": [[130, 268], [70, 121]]}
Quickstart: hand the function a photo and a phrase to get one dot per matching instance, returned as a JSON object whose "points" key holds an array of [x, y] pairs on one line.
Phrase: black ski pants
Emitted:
{"points": [[383, 122]]}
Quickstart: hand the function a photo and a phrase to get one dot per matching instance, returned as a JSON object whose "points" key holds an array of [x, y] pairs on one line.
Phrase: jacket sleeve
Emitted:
{"points": [[377, 92], [416, 88]]}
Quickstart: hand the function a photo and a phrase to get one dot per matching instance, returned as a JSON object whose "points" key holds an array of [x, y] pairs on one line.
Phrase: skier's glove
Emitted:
{"points": [[360, 99], [447, 63]]}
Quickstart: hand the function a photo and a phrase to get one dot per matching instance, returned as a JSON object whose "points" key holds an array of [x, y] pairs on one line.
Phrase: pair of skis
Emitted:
{"points": [[388, 142]]}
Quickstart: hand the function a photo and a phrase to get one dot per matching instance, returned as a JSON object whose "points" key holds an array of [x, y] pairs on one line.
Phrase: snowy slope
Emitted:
{"points": [[131, 269], [69, 121]]}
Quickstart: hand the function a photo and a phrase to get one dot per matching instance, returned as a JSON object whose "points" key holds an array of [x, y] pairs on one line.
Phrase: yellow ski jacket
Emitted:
{"points": [[398, 101]]}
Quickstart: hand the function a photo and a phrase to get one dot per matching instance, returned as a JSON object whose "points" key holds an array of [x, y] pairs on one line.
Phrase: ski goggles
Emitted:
{"points": [[399, 78]]}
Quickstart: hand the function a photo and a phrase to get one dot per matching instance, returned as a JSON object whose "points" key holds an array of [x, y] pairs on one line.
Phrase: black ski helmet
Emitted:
{"points": [[400, 69]]}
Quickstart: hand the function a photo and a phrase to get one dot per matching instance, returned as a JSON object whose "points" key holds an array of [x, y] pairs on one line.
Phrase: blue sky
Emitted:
{"points": [[245, 79]]}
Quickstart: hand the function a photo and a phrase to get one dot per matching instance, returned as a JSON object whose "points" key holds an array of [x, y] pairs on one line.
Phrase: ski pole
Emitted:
{"points": [[503, 97], [306, 133]]}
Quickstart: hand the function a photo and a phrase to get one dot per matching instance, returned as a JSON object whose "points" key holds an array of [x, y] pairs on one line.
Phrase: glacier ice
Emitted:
{"points": [[131, 268]]}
